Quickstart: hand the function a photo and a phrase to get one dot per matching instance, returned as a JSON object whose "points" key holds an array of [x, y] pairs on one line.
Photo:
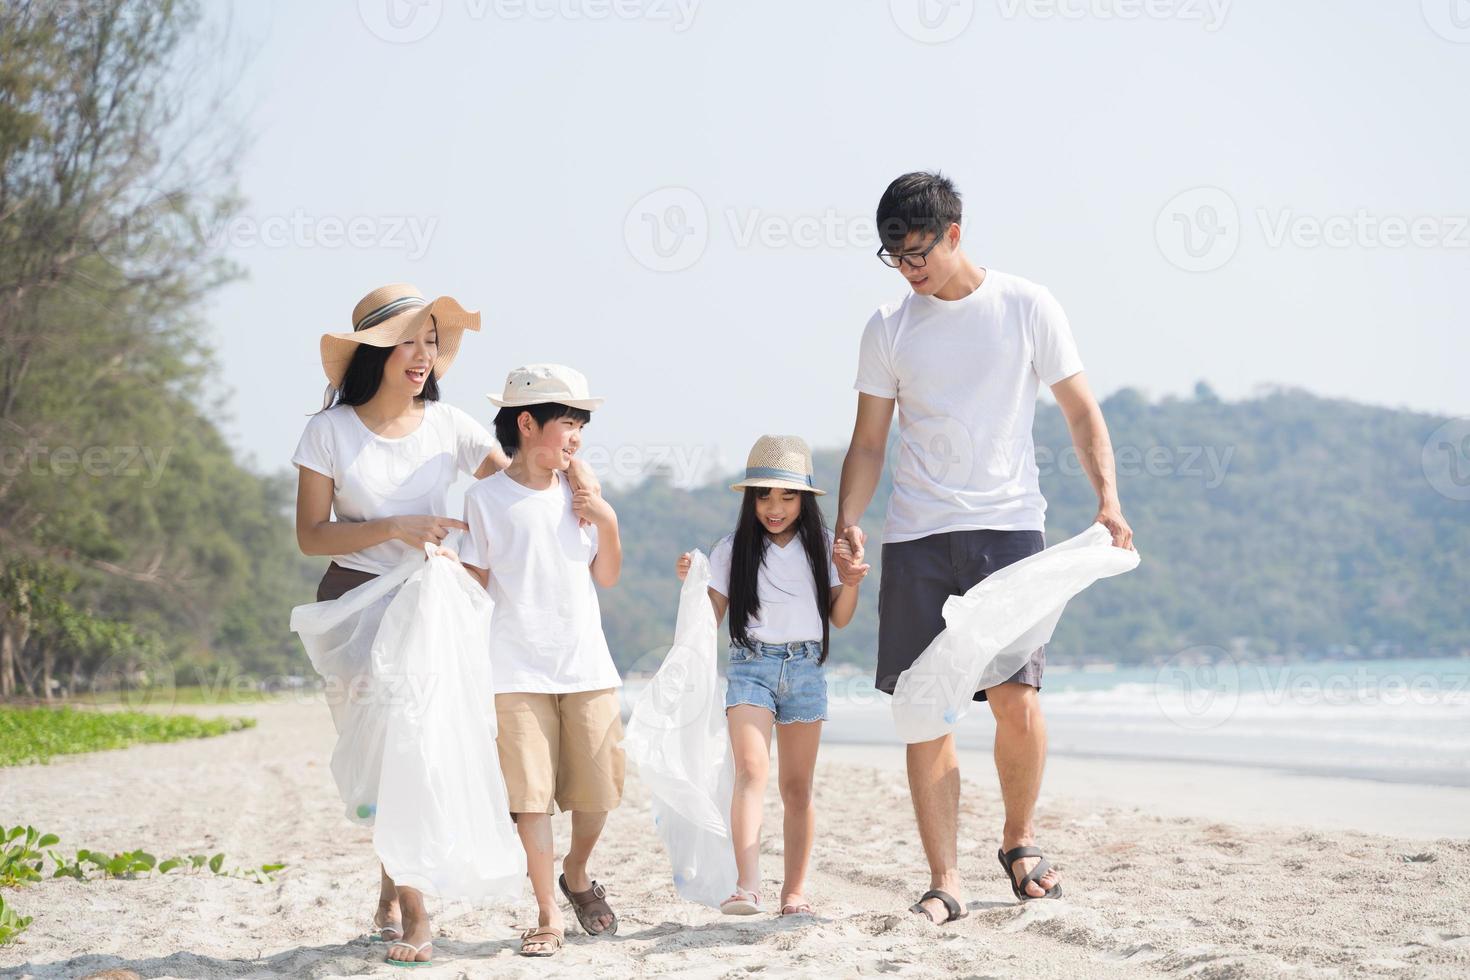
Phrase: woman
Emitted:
{"points": [[382, 455]]}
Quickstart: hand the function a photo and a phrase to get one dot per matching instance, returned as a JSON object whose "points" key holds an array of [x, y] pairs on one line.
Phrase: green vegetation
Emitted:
{"points": [[24, 850], [131, 540], [29, 735]]}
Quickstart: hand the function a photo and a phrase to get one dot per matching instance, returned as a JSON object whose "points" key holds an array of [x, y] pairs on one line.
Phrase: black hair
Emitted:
{"points": [[507, 427], [748, 551], [918, 201], [364, 375]]}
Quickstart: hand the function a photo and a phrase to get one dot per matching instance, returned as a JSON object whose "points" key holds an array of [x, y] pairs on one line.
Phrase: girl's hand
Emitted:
{"points": [[591, 508], [850, 569], [682, 566], [419, 530], [447, 553]]}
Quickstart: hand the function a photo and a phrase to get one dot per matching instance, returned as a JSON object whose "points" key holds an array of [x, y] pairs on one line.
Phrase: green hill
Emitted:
{"points": [[1284, 524]]}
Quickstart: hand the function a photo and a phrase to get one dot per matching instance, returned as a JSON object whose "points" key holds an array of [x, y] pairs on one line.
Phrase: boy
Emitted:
{"points": [[540, 549]]}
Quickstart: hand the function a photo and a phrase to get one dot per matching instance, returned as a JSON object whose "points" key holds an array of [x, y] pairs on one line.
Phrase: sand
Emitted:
{"points": [[1148, 893]]}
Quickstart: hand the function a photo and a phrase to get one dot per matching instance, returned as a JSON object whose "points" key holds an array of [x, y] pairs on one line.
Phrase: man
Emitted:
{"points": [[961, 356]]}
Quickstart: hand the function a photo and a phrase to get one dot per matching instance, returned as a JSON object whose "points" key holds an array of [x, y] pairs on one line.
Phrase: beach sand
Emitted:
{"points": [[1147, 893]]}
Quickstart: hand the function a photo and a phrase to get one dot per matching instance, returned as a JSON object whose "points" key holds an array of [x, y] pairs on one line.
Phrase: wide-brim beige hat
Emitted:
{"points": [[388, 316], [539, 384], [779, 462]]}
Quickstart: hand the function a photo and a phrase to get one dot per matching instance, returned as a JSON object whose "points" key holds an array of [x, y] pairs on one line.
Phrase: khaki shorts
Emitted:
{"points": [[563, 748]]}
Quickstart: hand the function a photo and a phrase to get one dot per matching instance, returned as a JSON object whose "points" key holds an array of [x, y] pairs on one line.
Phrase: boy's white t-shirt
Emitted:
{"points": [[546, 632], [374, 477], [787, 591], [965, 375]]}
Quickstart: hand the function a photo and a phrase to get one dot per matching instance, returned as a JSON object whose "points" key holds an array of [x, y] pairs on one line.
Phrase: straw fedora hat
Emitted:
{"points": [[780, 462], [538, 384], [388, 316]]}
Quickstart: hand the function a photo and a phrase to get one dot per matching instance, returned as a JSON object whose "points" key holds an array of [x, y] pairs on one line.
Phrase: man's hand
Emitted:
{"points": [[847, 554], [591, 508], [1110, 516]]}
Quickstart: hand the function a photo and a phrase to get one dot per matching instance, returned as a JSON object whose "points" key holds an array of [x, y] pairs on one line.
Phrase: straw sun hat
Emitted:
{"points": [[780, 462], [388, 316]]}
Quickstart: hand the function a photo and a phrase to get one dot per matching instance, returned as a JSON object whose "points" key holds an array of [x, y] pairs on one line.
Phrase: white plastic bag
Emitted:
{"points": [[338, 635], [677, 738], [443, 821], [992, 630]]}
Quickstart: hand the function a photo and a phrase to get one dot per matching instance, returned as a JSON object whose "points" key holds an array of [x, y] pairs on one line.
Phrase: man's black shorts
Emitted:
{"points": [[919, 575]]}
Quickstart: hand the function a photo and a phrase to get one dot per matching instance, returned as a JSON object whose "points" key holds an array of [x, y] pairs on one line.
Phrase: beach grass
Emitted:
{"points": [[35, 734]]}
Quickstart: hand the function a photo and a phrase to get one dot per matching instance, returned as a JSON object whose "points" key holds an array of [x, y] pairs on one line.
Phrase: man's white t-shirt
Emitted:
{"points": [[375, 477], [546, 633], [787, 591], [965, 374]]}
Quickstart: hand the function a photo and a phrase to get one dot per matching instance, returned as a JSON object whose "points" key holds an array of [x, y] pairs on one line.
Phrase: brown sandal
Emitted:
{"points": [[529, 936], [589, 905]]}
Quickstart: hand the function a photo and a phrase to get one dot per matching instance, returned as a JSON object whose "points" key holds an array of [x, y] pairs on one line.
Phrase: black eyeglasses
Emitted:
{"points": [[915, 260]]}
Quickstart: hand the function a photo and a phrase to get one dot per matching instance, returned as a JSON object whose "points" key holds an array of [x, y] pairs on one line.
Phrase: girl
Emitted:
{"points": [[381, 456], [776, 576]]}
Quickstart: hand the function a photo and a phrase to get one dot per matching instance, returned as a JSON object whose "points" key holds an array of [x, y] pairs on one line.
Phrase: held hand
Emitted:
{"points": [[847, 554], [419, 530], [447, 553], [1110, 516], [682, 566], [592, 508], [849, 571], [583, 478]]}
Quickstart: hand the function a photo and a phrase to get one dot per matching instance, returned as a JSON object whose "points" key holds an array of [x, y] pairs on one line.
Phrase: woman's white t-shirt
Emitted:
{"points": [[965, 374], [375, 477], [787, 591], [547, 635]]}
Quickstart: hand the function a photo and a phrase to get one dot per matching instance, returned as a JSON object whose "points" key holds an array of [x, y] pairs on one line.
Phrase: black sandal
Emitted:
{"points": [[1018, 888], [950, 906]]}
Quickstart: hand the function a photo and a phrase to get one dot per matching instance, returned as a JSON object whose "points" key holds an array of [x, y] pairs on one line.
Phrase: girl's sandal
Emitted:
{"points": [[741, 903], [804, 908], [538, 937]]}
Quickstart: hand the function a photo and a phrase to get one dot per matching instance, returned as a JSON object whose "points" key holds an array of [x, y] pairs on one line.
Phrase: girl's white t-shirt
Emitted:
{"points": [[547, 633], [965, 374], [374, 477], [787, 591]]}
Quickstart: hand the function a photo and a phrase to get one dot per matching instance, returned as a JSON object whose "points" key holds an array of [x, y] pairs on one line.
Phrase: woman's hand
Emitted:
{"points": [[583, 478], [420, 529], [682, 566]]}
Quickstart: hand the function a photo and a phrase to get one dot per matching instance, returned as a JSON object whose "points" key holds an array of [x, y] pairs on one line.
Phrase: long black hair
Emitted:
{"points": [[748, 551], [364, 376]]}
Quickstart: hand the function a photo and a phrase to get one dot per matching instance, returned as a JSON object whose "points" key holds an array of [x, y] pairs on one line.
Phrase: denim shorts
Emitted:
{"points": [[784, 678]]}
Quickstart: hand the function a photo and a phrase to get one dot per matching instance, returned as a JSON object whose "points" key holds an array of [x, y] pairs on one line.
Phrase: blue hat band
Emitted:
{"points": [[776, 473]]}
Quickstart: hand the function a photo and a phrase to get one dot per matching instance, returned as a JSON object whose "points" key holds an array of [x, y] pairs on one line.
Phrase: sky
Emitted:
{"points": [[676, 196]]}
